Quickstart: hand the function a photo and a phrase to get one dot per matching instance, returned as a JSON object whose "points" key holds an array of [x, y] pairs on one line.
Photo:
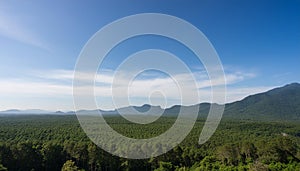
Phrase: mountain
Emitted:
{"points": [[145, 109], [59, 112], [28, 111], [281, 103], [11, 111], [32, 111], [202, 113]]}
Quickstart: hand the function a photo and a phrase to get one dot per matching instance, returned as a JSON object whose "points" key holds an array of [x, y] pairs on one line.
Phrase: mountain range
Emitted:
{"points": [[281, 103]]}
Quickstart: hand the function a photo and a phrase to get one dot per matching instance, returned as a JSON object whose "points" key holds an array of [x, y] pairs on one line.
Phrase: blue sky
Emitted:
{"points": [[258, 43]]}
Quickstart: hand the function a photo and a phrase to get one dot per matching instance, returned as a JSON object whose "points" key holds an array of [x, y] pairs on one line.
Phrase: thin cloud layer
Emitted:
{"points": [[58, 83], [13, 29]]}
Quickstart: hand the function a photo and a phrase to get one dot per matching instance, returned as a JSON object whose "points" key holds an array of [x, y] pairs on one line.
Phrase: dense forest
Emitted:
{"points": [[53, 142]]}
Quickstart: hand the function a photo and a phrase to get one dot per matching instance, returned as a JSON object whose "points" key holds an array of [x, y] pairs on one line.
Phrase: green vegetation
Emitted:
{"points": [[49, 142]]}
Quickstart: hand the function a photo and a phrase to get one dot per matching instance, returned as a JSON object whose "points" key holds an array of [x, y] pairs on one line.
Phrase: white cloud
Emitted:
{"points": [[27, 88], [13, 29], [57, 84]]}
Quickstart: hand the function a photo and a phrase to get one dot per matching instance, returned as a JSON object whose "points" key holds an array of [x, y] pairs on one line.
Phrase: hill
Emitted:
{"points": [[281, 103]]}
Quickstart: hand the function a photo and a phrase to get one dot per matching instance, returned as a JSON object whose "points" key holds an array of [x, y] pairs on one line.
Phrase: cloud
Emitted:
{"points": [[13, 29], [28, 88], [58, 84], [234, 94]]}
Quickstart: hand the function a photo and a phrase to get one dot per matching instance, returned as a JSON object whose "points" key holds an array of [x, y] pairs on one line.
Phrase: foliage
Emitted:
{"points": [[2, 168], [70, 166], [51, 142]]}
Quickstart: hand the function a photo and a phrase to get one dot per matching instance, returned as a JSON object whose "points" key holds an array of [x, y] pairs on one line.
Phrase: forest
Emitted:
{"points": [[57, 142]]}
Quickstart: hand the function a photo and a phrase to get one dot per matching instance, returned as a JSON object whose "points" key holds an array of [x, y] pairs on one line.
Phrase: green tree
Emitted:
{"points": [[208, 163], [248, 151], [27, 156], [70, 166], [6, 156], [258, 166], [165, 166], [94, 155], [228, 154], [53, 156]]}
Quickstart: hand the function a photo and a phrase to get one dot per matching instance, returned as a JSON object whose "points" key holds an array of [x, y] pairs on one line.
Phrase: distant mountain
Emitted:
{"points": [[31, 111], [145, 109], [203, 109], [28, 111], [59, 112], [70, 112], [281, 103], [11, 111]]}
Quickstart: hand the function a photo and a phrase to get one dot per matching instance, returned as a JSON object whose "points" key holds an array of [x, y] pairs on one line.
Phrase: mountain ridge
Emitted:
{"points": [[281, 103]]}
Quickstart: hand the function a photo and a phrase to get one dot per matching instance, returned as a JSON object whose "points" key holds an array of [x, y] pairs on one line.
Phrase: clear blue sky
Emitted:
{"points": [[258, 43]]}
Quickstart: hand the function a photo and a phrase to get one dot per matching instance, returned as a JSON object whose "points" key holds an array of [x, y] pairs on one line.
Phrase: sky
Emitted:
{"points": [[258, 43]]}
